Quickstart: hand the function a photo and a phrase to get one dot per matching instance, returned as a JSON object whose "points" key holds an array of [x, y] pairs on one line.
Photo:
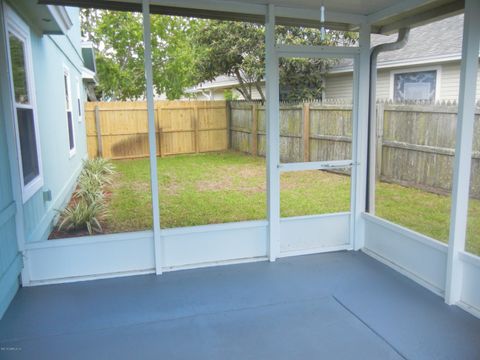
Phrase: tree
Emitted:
{"points": [[237, 49], [118, 40], [230, 48]]}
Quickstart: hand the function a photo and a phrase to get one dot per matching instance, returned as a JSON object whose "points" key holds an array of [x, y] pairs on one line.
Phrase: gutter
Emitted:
{"points": [[402, 40]]}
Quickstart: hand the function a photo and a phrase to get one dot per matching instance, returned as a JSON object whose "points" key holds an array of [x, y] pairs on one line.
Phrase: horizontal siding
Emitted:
{"points": [[449, 81], [339, 86], [383, 84]]}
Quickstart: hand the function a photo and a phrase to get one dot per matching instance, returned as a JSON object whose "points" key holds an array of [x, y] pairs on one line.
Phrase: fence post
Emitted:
{"points": [[306, 131], [99, 132], [159, 131], [228, 111], [196, 127], [254, 150], [379, 120]]}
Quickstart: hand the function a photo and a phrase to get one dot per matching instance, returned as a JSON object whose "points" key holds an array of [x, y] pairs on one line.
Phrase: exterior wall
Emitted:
{"points": [[10, 259], [51, 54], [339, 86]]}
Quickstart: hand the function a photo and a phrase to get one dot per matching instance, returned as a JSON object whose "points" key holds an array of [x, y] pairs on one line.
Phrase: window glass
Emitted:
{"points": [[415, 86], [68, 104], [19, 71], [71, 139], [27, 137], [28, 145], [67, 91]]}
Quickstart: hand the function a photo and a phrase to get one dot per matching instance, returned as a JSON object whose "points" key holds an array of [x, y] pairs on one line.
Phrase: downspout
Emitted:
{"points": [[375, 51]]}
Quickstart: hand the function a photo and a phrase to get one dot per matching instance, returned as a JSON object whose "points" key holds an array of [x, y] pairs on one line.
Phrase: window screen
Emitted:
{"points": [[415, 86]]}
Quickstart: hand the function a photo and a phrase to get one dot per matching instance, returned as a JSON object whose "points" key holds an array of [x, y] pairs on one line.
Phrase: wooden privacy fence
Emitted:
{"points": [[119, 130], [308, 132], [415, 143]]}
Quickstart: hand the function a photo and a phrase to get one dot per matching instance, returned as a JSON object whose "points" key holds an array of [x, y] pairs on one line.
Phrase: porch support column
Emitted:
{"points": [[152, 134], [273, 136], [463, 150], [359, 145]]}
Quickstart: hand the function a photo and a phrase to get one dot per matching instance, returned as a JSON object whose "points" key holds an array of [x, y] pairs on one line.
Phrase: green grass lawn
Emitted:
{"points": [[225, 187]]}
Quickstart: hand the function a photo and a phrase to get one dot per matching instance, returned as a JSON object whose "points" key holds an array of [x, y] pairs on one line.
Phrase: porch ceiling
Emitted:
{"points": [[384, 15]]}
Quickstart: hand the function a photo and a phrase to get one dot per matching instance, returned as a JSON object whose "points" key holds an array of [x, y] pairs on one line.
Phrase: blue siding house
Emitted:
{"points": [[42, 129]]}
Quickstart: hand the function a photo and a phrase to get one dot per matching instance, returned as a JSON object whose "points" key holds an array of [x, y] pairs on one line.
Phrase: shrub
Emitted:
{"points": [[102, 168], [87, 209], [90, 188], [83, 215]]}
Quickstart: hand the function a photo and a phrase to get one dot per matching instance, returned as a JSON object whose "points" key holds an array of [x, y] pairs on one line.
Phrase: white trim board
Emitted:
{"points": [[99, 256], [422, 259], [470, 292]]}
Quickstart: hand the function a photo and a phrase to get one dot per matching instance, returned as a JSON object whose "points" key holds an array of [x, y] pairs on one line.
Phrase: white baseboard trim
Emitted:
{"points": [[405, 272]]}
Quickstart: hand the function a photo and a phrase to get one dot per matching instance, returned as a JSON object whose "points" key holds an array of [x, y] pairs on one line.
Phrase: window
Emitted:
{"points": [[413, 86], [79, 101], [68, 107], [26, 126]]}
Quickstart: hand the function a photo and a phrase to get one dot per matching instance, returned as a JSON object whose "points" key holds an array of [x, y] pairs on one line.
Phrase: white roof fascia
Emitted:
{"points": [[60, 14], [89, 75]]}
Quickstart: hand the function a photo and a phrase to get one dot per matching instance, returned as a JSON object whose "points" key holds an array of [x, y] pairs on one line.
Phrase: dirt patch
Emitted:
{"points": [[235, 178], [55, 234], [229, 185], [139, 186], [307, 179], [214, 185], [172, 188], [249, 172]]}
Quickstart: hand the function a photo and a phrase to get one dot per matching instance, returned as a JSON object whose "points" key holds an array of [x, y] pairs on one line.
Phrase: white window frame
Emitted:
{"points": [[79, 101], [69, 108], [438, 69], [15, 25]]}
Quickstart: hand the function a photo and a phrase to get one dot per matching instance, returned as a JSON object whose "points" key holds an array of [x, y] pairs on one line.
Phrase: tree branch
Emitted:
{"points": [[246, 94], [260, 91]]}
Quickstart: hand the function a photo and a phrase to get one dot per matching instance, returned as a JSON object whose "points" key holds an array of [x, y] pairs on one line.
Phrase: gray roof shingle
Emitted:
{"points": [[435, 41]]}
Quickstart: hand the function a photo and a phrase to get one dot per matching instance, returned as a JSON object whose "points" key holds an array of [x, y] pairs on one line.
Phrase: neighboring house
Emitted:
{"points": [[427, 68], [215, 90], [45, 71]]}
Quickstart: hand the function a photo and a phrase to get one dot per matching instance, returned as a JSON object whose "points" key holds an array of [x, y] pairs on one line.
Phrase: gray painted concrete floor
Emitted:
{"points": [[342, 305]]}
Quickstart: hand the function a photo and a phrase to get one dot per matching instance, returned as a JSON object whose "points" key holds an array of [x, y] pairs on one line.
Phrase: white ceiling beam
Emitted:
{"points": [[285, 12]]}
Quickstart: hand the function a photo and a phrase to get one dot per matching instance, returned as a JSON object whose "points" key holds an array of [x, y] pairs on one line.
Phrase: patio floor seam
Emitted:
{"points": [[369, 327]]}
